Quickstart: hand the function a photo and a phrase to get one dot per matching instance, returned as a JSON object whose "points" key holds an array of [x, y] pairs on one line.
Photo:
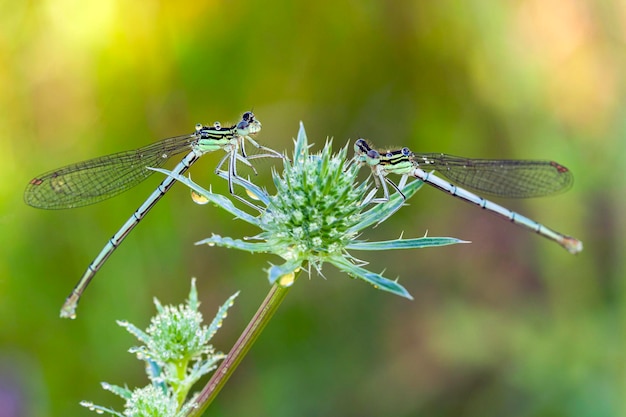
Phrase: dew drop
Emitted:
{"points": [[252, 195], [98, 411], [198, 198], [287, 280]]}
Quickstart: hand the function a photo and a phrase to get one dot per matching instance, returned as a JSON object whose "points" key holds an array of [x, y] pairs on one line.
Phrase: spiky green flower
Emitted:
{"points": [[177, 353], [315, 217], [314, 208]]}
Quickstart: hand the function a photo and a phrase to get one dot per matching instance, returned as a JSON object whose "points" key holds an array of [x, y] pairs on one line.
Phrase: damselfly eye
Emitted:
{"points": [[373, 154], [242, 125], [389, 154], [248, 116], [361, 146], [406, 151], [198, 127], [217, 125]]}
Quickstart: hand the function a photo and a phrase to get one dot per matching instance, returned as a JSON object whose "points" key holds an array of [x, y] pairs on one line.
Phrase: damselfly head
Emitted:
{"points": [[248, 116], [365, 154], [248, 125], [361, 148]]}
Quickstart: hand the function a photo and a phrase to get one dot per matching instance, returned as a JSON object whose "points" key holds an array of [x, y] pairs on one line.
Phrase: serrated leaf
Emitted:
{"points": [[227, 242], [217, 199], [415, 243], [377, 280]]}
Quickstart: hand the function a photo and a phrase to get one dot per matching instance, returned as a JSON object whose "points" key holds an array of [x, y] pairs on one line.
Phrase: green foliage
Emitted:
{"points": [[177, 353]]}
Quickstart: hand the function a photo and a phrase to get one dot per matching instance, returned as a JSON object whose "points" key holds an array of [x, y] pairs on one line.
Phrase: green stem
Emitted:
{"points": [[240, 349], [180, 390]]}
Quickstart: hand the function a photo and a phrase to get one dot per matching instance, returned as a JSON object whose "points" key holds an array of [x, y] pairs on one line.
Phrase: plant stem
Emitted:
{"points": [[240, 349]]}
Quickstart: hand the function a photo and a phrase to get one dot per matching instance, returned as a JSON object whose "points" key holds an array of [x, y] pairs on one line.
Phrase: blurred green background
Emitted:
{"points": [[509, 325]]}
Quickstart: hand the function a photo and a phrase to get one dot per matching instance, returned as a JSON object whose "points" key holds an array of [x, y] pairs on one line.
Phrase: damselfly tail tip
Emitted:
{"points": [[572, 245], [68, 311]]}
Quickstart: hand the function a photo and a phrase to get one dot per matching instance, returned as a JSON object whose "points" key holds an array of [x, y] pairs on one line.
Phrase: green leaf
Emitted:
{"points": [[217, 199], [252, 188], [100, 410], [381, 212], [135, 331], [227, 242], [222, 312], [301, 144], [193, 302], [378, 281], [117, 390], [416, 243]]}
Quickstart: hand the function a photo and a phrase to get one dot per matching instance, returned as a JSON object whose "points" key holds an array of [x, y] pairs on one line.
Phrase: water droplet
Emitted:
{"points": [[98, 411], [211, 243], [198, 198], [252, 195], [287, 280]]}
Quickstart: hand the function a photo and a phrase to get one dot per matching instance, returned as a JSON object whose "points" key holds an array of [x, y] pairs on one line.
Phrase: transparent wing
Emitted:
{"points": [[92, 181], [504, 178]]}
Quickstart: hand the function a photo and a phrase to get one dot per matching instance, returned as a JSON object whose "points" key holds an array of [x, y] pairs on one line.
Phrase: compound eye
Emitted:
{"points": [[242, 125], [406, 151], [373, 154], [217, 125], [198, 127], [389, 154], [248, 116], [360, 146]]}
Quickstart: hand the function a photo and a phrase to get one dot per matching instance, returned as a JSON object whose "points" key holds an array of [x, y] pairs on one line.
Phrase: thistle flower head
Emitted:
{"points": [[176, 334], [177, 353], [315, 209]]}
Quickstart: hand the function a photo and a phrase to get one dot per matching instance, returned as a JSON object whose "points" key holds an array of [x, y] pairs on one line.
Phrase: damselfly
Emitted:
{"points": [[503, 178], [97, 179]]}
